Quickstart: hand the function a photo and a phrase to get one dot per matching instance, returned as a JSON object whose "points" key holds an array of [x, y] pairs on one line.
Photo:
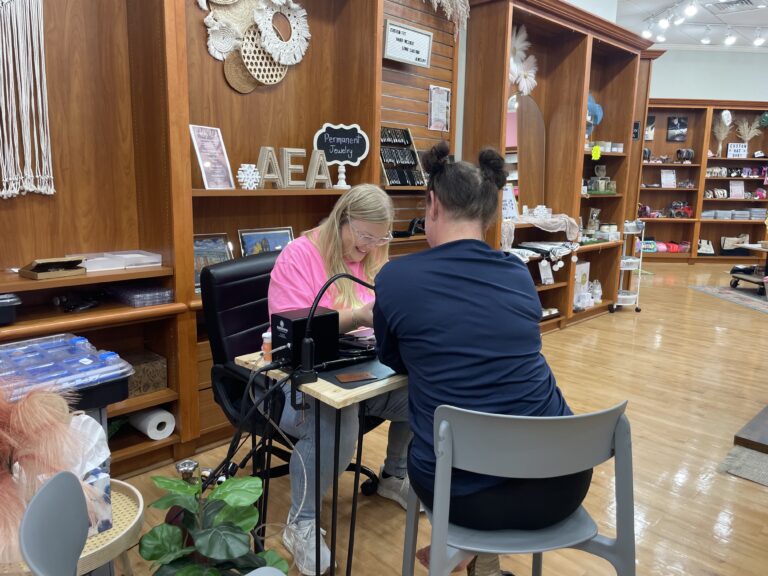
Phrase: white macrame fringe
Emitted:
{"points": [[455, 10], [26, 164]]}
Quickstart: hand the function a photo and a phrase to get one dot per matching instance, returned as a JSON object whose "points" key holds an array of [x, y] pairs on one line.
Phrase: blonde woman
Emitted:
{"points": [[353, 239]]}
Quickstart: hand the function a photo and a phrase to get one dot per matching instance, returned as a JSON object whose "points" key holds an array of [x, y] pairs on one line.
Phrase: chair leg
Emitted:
{"points": [[484, 565], [411, 533], [538, 561]]}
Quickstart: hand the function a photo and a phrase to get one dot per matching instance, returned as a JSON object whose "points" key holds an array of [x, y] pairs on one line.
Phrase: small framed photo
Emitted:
{"points": [[258, 240], [210, 249], [650, 128], [212, 157], [677, 128]]}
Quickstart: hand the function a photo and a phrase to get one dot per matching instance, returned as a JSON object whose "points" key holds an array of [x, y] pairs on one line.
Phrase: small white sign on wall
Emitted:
{"points": [[407, 44], [737, 150]]}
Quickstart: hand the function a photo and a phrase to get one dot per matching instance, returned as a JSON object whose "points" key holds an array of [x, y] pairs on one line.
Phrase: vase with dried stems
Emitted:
{"points": [[747, 130], [720, 130]]}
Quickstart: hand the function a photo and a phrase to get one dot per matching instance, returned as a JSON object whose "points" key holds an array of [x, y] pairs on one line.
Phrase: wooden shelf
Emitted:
{"points": [[201, 193], [550, 323], [45, 320], [742, 222], [142, 402], [745, 178], [590, 312], [414, 238], [711, 160], [593, 196], [603, 154], [656, 189], [669, 165], [546, 287], [681, 255], [196, 304], [734, 200], [12, 282], [670, 220], [598, 246], [130, 443], [405, 188]]}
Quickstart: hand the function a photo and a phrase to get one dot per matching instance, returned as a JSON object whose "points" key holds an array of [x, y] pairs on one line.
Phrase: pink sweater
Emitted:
{"points": [[298, 275]]}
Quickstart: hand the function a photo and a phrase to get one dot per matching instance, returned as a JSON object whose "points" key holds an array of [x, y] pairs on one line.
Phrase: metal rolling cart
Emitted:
{"points": [[630, 262]]}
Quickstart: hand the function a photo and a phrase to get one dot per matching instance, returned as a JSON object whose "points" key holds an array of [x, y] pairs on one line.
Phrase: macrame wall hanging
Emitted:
{"points": [[455, 10], [242, 34], [25, 141]]}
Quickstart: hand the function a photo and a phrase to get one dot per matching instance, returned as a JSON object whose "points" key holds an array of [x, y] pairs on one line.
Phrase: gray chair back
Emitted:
{"points": [[524, 446], [54, 527]]}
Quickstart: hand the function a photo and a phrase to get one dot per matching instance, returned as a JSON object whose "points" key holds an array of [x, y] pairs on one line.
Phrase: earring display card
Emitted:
{"points": [[400, 164]]}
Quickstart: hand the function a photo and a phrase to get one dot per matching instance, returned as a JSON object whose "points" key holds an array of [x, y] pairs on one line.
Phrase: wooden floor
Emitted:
{"points": [[693, 370]]}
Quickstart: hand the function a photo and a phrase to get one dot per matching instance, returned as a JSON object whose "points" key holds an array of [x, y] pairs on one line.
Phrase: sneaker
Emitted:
{"points": [[395, 488], [299, 539]]}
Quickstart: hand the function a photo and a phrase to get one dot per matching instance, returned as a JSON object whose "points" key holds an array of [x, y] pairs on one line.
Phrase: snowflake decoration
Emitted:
{"points": [[248, 176]]}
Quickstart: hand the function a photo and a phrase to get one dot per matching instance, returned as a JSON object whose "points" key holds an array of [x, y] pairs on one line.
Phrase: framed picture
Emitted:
{"points": [[212, 157], [260, 240], [210, 249], [650, 128], [677, 128]]}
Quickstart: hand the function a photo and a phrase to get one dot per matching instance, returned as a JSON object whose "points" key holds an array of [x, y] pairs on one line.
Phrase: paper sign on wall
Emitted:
{"points": [[407, 44]]}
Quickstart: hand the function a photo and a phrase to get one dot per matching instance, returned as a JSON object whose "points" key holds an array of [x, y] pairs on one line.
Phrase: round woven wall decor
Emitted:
{"points": [[289, 51], [258, 61], [237, 74]]}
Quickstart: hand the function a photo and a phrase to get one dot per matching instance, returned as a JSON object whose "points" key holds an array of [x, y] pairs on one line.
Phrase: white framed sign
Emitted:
{"points": [[407, 44], [212, 157], [439, 108], [737, 150]]}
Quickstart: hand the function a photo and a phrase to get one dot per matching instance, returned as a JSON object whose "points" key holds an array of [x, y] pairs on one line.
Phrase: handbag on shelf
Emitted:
{"points": [[731, 245], [706, 248]]}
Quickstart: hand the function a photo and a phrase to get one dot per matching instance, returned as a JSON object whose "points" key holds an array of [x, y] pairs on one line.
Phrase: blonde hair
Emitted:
{"points": [[364, 202]]}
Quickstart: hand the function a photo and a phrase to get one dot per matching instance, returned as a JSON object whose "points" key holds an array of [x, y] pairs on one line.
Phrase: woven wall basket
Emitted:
{"points": [[258, 62], [237, 74]]}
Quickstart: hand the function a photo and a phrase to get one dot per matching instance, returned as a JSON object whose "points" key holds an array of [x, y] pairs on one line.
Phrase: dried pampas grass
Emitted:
{"points": [[747, 130]]}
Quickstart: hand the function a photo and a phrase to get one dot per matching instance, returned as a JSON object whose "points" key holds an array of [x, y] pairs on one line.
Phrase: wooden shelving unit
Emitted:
{"points": [[266, 192], [700, 115], [11, 282], [143, 402]]}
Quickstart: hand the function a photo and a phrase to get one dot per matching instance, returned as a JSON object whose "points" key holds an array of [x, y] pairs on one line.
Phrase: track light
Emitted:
{"points": [[759, 40], [691, 9], [707, 38], [730, 38], [660, 37], [647, 32], [678, 18], [664, 22]]}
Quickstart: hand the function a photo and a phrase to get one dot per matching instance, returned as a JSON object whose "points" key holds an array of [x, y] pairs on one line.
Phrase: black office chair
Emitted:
{"points": [[234, 295]]}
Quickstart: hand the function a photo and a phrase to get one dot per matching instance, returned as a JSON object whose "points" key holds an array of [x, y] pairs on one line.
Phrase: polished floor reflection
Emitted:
{"points": [[693, 370]]}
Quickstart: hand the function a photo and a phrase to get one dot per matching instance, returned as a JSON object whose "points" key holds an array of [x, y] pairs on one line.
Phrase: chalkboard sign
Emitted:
{"points": [[342, 144]]}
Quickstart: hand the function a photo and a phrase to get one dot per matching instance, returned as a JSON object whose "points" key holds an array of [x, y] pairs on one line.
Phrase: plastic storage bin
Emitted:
{"points": [[8, 303], [630, 263], [626, 298], [64, 362]]}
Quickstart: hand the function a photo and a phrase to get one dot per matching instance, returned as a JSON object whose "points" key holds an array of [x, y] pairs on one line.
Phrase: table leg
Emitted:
{"points": [[356, 486], [318, 495], [335, 501]]}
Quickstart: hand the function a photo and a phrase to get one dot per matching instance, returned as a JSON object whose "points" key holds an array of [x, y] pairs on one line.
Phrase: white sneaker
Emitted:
{"points": [[299, 539], [394, 488]]}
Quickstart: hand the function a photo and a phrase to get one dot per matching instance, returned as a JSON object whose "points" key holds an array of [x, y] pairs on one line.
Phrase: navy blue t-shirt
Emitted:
{"points": [[463, 321]]}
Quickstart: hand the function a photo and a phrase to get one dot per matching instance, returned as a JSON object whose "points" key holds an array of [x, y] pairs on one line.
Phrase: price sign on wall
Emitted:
{"points": [[737, 150], [407, 44]]}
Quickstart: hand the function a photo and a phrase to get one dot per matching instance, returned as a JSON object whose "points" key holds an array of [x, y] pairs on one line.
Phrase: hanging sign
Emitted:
{"points": [[343, 144], [407, 44]]}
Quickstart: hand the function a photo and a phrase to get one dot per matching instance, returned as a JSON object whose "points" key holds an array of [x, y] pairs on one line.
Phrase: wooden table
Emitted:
{"points": [[336, 397]]}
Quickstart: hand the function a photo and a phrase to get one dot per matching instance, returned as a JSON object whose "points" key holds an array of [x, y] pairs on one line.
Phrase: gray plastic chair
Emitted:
{"points": [[526, 447], [54, 527]]}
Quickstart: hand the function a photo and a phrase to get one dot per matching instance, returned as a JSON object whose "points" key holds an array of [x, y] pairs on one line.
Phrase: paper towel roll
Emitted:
{"points": [[157, 424]]}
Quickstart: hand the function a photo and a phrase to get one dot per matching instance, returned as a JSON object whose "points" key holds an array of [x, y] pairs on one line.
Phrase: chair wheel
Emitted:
{"points": [[734, 283], [637, 308], [612, 308], [368, 488]]}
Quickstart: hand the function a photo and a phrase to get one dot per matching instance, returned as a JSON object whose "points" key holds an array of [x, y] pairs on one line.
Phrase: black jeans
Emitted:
{"points": [[516, 503]]}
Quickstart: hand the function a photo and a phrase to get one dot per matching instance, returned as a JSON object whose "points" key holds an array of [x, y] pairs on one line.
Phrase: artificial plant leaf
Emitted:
{"points": [[173, 568], [274, 560], [244, 517], [197, 570], [163, 544], [238, 491], [186, 501], [210, 510], [222, 542], [175, 485], [249, 561]]}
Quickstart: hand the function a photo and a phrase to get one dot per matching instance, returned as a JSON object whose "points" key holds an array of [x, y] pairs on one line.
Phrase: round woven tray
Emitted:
{"points": [[237, 74], [259, 63]]}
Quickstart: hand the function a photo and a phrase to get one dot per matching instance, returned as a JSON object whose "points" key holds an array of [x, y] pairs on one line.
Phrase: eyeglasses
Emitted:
{"points": [[367, 239]]}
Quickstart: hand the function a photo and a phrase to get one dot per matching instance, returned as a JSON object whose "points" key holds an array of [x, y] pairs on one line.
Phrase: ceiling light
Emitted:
{"points": [[691, 9], [664, 22], [679, 19], [761, 5], [759, 40], [730, 38], [646, 33], [661, 38], [707, 38]]}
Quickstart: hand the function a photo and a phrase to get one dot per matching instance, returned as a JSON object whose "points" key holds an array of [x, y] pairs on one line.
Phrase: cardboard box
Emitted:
{"points": [[43, 268], [150, 372]]}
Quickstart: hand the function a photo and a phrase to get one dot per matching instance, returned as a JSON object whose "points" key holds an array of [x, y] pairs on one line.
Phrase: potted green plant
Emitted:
{"points": [[210, 535]]}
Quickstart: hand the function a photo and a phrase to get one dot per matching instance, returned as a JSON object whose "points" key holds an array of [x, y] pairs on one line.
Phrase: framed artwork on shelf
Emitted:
{"points": [[677, 128], [650, 128], [210, 249], [258, 240], [212, 157]]}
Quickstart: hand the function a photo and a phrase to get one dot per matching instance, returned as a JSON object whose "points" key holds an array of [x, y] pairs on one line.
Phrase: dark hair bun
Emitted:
{"points": [[435, 159], [492, 167]]}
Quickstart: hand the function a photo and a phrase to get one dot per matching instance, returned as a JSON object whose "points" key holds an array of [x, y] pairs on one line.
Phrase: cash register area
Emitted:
{"points": [[690, 518]]}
